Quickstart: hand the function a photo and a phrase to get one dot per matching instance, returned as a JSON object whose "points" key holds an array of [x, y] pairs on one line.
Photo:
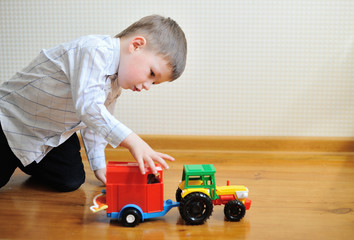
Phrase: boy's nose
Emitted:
{"points": [[147, 85]]}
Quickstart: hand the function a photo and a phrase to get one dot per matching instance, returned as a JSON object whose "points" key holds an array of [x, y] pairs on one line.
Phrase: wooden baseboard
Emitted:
{"points": [[277, 144], [234, 143]]}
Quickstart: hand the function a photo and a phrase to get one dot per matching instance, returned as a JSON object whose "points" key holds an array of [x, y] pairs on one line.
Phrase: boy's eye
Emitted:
{"points": [[152, 74]]}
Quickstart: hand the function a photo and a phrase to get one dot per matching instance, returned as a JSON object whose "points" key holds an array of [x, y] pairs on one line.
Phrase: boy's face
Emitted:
{"points": [[139, 68]]}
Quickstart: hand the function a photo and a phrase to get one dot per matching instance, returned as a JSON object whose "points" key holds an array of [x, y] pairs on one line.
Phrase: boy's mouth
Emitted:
{"points": [[136, 89]]}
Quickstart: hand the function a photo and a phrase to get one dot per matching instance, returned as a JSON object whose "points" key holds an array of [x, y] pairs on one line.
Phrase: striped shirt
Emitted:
{"points": [[63, 90]]}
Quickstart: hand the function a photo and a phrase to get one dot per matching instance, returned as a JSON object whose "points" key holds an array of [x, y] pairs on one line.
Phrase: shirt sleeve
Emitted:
{"points": [[87, 73], [95, 144]]}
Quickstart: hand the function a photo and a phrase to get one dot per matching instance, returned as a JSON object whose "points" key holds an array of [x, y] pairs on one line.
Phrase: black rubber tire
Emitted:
{"points": [[131, 217], [195, 208], [178, 195], [234, 210]]}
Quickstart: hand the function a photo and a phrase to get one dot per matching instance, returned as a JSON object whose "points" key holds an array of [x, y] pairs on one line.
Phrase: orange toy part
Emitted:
{"points": [[99, 203]]}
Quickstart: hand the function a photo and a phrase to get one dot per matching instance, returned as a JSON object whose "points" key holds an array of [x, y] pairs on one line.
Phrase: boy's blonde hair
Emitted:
{"points": [[165, 37]]}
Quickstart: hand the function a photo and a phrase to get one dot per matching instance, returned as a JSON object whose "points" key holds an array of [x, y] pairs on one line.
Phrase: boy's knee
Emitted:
{"points": [[5, 175], [3, 182], [69, 186]]}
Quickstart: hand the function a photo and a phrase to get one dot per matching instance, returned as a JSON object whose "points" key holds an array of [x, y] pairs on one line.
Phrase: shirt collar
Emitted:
{"points": [[113, 68]]}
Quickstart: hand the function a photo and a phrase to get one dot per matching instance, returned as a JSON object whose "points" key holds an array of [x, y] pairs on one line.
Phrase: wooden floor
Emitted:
{"points": [[294, 196]]}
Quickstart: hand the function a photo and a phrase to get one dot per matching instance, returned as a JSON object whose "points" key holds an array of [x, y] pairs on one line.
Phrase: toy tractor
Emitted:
{"points": [[197, 193]]}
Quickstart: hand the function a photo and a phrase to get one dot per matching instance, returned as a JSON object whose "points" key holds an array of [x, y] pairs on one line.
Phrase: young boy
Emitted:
{"points": [[74, 86]]}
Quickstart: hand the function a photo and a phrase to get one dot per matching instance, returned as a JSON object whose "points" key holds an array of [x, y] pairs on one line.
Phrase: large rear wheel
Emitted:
{"points": [[178, 195], [195, 208]]}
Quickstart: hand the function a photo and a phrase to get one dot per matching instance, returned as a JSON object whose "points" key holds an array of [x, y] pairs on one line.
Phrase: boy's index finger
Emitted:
{"points": [[166, 156], [163, 162]]}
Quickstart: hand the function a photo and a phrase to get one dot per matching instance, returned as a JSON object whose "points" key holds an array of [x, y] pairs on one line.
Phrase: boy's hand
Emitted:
{"points": [[142, 152], [101, 175]]}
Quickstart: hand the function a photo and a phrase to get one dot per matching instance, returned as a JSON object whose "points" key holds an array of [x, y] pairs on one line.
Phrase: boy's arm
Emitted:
{"points": [[88, 75], [88, 83], [95, 148]]}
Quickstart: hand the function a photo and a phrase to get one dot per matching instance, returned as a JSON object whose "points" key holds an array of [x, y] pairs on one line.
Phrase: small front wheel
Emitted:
{"points": [[131, 217], [234, 210]]}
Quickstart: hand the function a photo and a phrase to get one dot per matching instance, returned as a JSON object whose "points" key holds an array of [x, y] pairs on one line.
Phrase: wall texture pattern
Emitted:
{"points": [[255, 68]]}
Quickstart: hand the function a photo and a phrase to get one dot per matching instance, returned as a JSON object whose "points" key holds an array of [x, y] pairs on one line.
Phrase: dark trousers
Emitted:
{"points": [[61, 168]]}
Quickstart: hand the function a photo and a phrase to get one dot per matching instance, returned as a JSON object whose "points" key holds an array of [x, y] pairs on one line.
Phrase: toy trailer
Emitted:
{"points": [[132, 197]]}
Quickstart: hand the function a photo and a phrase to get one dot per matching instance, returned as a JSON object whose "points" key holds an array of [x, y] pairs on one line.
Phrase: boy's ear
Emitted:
{"points": [[137, 43]]}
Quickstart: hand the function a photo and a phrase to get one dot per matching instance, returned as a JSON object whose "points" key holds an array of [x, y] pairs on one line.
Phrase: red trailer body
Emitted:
{"points": [[126, 185]]}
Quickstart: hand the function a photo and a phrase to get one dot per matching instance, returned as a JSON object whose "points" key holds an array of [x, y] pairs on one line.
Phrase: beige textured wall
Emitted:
{"points": [[255, 68]]}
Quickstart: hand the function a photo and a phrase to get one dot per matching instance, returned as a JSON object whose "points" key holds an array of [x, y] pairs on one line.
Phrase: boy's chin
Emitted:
{"points": [[126, 87]]}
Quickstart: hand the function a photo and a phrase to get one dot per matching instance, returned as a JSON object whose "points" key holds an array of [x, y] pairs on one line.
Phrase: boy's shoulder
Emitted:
{"points": [[91, 40], [102, 48]]}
